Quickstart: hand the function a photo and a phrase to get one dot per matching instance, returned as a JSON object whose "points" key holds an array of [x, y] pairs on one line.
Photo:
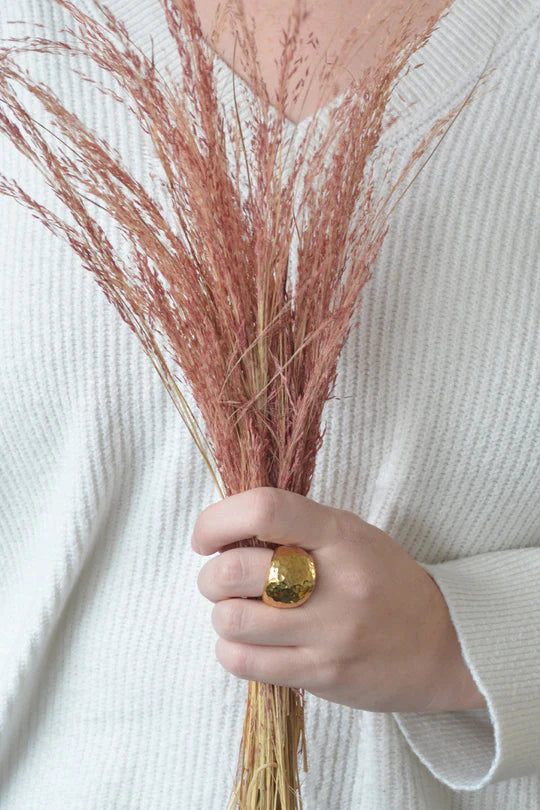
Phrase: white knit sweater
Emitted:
{"points": [[111, 697]]}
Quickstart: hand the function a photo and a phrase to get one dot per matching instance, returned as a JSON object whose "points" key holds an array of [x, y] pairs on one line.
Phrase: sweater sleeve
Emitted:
{"points": [[494, 603]]}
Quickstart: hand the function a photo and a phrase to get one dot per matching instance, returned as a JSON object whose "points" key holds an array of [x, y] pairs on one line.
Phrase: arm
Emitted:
{"points": [[494, 604]]}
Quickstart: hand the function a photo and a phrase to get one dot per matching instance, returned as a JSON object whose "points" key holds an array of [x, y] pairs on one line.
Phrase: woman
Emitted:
{"points": [[419, 647]]}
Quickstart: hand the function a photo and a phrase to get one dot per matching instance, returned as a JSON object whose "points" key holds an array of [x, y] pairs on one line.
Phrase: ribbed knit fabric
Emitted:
{"points": [[111, 697]]}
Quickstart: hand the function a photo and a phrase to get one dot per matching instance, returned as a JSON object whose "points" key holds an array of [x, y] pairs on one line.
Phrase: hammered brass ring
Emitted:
{"points": [[291, 577]]}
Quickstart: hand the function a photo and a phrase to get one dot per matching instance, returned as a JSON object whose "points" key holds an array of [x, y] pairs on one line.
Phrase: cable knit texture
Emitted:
{"points": [[111, 697]]}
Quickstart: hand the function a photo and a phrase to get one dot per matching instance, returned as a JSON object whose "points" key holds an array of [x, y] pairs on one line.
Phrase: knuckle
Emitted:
{"points": [[228, 620], [345, 524], [357, 589], [233, 658], [330, 671], [232, 568], [356, 642], [240, 661], [264, 506]]}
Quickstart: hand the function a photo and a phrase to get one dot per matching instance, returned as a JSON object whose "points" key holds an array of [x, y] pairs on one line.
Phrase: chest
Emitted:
{"points": [[353, 37]]}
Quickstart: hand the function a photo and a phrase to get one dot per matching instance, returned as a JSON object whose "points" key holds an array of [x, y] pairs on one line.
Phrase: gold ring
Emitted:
{"points": [[291, 577]]}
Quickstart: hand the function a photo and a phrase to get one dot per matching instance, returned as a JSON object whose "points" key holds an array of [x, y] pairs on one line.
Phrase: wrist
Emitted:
{"points": [[454, 688]]}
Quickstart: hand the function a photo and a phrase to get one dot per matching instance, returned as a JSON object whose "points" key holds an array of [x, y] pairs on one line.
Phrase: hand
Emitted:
{"points": [[375, 633]]}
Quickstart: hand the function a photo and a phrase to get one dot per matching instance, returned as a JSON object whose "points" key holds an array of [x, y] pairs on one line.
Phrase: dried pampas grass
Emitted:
{"points": [[209, 289]]}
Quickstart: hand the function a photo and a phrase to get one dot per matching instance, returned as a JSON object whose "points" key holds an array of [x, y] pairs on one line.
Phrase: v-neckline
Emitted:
{"points": [[321, 114], [225, 76], [453, 57], [456, 50]]}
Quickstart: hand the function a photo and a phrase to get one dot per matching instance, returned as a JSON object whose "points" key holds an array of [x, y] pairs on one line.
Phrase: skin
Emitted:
{"points": [[375, 634], [331, 21]]}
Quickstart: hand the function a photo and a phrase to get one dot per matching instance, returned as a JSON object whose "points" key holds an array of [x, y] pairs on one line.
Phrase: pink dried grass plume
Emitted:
{"points": [[207, 285]]}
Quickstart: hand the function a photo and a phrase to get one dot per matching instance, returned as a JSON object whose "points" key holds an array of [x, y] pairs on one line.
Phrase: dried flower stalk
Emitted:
{"points": [[208, 290]]}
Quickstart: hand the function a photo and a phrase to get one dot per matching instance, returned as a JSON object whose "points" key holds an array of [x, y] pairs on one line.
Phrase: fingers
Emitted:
{"points": [[238, 572], [248, 621], [282, 666], [273, 515]]}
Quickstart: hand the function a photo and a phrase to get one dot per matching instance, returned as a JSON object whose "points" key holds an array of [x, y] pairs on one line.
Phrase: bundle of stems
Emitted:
{"points": [[208, 283]]}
